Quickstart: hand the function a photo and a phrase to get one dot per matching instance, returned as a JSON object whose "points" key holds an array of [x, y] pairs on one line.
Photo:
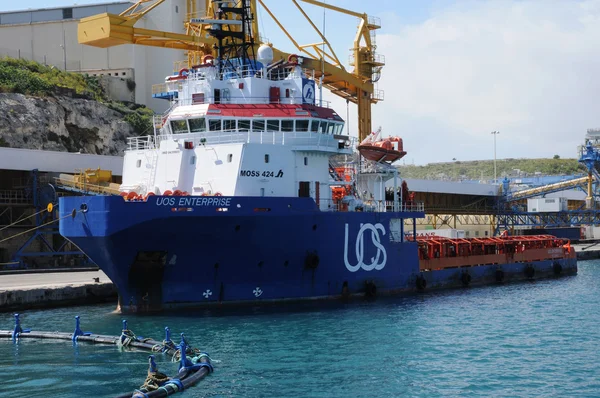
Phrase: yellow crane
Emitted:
{"points": [[357, 86]]}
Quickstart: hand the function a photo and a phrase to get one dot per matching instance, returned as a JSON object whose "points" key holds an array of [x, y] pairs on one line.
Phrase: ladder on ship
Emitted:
{"points": [[150, 172], [335, 176]]}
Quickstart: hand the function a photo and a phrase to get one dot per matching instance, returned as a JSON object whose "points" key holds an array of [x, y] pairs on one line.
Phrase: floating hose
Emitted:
{"points": [[160, 385], [157, 384]]}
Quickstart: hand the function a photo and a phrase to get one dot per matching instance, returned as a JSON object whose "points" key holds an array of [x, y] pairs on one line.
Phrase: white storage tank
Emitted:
{"points": [[546, 205]]}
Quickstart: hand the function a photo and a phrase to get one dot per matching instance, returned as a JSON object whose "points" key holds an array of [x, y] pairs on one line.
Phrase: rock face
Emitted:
{"points": [[62, 123]]}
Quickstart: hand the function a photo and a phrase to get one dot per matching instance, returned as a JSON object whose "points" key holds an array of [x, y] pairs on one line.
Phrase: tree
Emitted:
{"points": [[556, 157]]}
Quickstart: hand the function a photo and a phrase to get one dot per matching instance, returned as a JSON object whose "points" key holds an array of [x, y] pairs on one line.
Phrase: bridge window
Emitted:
{"points": [[179, 126], [243, 125], [323, 127], [272, 125], [67, 13], [197, 125], [193, 160], [306, 161], [331, 128], [229, 158], [287, 125], [214, 124], [228, 124], [138, 163], [258, 125], [266, 158], [314, 126], [301, 125]]}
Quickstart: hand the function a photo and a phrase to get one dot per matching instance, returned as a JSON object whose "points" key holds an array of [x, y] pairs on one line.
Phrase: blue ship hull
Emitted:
{"points": [[175, 251]]}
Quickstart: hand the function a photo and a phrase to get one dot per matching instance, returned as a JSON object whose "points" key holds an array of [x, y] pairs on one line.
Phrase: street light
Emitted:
{"points": [[455, 172], [495, 133]]}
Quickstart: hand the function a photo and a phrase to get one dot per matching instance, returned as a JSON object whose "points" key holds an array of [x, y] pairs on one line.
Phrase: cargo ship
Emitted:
{"points": [[250, 191]]}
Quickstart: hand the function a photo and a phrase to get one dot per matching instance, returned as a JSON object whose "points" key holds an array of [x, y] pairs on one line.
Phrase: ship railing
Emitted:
{"points": [[415, 206], [372, 167], [293, 138], [169, 87], [241, 72], [250, 100], [369, 206], [140, 143], [85, 187]]}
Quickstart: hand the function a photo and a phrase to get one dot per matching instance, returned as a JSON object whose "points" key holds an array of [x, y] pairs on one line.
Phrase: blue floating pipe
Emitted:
{"points": [[184, 362], [18, 329], [152, 368], [78, 331], [124, 324], [167, 334]]}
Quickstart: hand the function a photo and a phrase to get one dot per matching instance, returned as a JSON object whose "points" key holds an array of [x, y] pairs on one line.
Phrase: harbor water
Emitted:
{"points": [[535, 338]]}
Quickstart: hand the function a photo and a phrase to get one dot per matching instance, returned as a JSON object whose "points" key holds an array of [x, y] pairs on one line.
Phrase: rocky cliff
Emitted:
{"points": [[62, 123]]}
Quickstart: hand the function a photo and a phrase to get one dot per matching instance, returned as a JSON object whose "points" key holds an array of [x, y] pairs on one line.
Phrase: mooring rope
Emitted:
{"points": [[33, 229], [23, 219]]}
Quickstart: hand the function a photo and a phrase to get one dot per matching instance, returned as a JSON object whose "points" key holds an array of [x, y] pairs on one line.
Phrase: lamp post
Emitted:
{"points": [[495, 133], [64, 48], [455, 172]]}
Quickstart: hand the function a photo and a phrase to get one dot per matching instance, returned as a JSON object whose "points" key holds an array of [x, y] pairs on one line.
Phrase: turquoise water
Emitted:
{"points": [[526, 339]]}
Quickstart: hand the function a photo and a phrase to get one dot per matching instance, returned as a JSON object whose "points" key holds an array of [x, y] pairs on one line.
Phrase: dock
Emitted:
{"points": [[20, 291], [587, 250]]}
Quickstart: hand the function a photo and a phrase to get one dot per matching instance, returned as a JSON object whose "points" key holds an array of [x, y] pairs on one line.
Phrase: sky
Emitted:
{"points": [[457, 70]]}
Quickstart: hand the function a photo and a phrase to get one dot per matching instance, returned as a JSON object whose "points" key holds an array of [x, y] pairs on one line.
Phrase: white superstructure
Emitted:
{"points": [[246, 124], [246, 131]]}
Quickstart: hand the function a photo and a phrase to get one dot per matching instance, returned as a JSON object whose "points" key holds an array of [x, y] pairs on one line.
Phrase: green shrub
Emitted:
{"points": [[141, 123]]}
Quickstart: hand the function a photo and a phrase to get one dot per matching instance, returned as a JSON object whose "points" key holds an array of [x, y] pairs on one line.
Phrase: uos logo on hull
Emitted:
{"points": [[378, 261]]}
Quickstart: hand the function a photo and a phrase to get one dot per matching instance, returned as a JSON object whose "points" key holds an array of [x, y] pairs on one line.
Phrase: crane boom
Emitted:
{"points": [[357, 86]]}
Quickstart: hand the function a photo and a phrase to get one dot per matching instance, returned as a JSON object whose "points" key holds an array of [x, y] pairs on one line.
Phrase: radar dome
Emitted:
{"points": [[265, 54]]}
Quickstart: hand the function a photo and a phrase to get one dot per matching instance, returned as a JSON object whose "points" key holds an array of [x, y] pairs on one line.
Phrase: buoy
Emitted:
{"points": [[208, 59], [218, 194], [131, 195], [184, 70], [148, 195], [177, 193], [167, 193], [421, 282], [292, 59]]}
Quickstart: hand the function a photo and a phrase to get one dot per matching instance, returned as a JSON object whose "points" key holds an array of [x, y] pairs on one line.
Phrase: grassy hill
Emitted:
{"points": [[484, 169], [35, 79]]}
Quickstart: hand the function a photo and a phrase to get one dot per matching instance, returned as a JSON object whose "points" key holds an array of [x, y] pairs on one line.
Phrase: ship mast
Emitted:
{"points": [[232, 28]]}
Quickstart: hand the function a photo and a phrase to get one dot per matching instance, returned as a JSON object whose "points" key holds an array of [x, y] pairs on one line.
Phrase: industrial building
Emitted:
{"points": [[49, 36], [28, 181]]}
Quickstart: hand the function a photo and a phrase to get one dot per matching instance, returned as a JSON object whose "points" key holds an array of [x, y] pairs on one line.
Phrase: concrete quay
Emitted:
{"points": [[23, 291], [587, 250]]}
